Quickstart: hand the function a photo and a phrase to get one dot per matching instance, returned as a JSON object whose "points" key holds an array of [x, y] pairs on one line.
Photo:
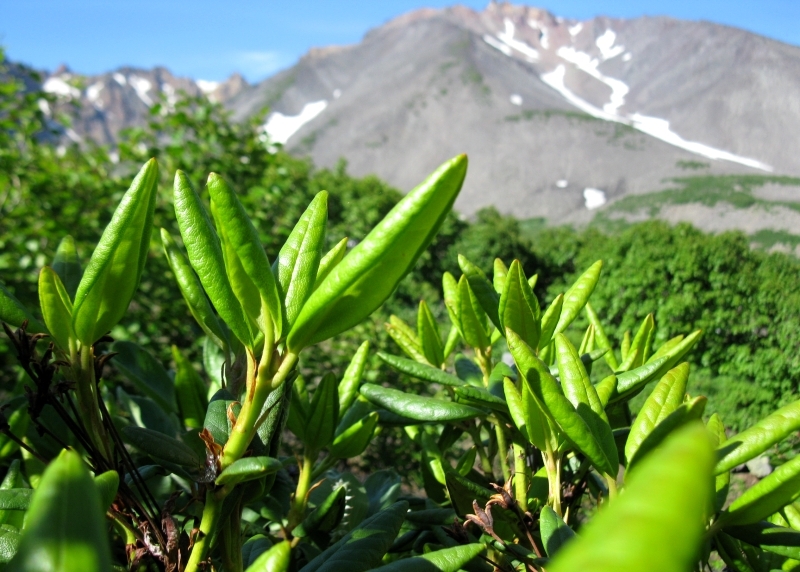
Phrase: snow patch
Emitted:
{"points": [[44, 106], [93, 94], [497, 45], [281, 127], [337, 93], [544, 41], [593, 198], [207, 86], [605, 44], [562, 183], [659, 128], [576, 29], [507, 37], [61, 88], [141, 86], [627, 57], [120, 79], [653, 126], [515, 99], [72, 135], [586, 63], [171, 95]]}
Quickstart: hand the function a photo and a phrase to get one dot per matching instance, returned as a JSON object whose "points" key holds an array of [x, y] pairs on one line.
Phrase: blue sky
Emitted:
{"points": [[204, 40]]}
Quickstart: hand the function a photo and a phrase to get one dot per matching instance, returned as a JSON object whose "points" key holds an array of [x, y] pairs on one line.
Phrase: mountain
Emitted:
{"points": [[562, 119]]}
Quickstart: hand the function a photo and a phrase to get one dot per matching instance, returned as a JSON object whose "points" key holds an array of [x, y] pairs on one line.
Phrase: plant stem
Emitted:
{"points": [[86, 393], [612, 487], [502, 447], [520, 477], [232, 542], [552, 463], [303, 484], [248, 420], [208, 524]]}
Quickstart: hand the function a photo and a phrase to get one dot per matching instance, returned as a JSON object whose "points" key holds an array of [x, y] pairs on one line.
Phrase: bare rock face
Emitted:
{"points": [[560, 117]]}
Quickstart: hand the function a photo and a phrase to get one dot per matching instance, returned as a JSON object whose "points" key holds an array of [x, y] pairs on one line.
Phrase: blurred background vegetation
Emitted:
{"points": [[746, 301]]}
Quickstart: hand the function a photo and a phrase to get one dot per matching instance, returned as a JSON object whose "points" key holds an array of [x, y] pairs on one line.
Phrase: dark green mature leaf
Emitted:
{"points": [[484, 291], [577, 296], [383, 489], [428, 333], [666, 397], [326, 516], [276, 559], [9, 542], [371, 271], [328, 262], [348, 387], [480, 397], [766, 497], [56, 307], [363, 547], [555, 532], [146, 373], [12, 480], [248, 469], [519, 308], [756, 439], [628, 536], [113, 273], [217, 421], [192, 292], [572, 422], [14, 312], [190, 391], [246, 264], [771, 537], [450, 559], [420, 370], [254, 547], [205, 255], [298, 261], [162, 447], [323, 414], [15, 499], [65, 528], [67, 265], [418, 407]]}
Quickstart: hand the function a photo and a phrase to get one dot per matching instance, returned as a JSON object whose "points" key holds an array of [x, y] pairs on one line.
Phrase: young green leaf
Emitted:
{"points": [[192, 292], [190, 391], [420, 370], [450, 559], [67, 265], [328, 262], [452, 341], [601, 339], [527, 416], [605, 389], [637, 352], [13, 312], [577, 296], [244, 254], [666, 347], [56, 307], [12, 480], [406, 339], [754, 440], [766, 497], [323, 414], [205, 255], [499, 276], [298, 261], [248, 469], [348, 387], [371, 271], [429, 337], [107, 484], [550, 320], [417, 407], [723, 480], [484, 292], [545, 389], [666, 397], [629, 534], [113, 273], [472, 318], [555, 532], [65, 528], [352, 441], [519, 308], [276, 559]]}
